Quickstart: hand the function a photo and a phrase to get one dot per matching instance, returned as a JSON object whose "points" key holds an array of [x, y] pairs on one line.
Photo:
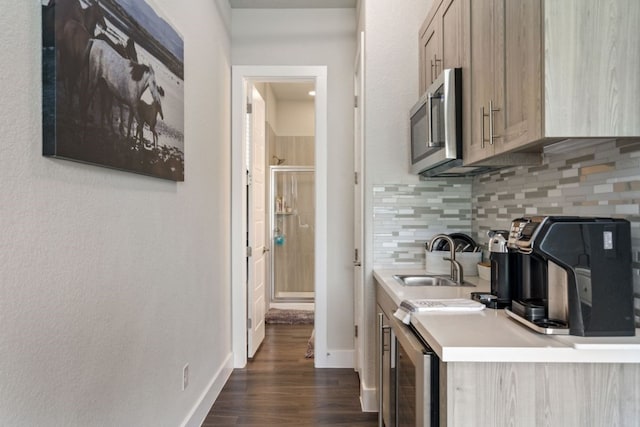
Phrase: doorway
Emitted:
{"points": [[244, 77]]}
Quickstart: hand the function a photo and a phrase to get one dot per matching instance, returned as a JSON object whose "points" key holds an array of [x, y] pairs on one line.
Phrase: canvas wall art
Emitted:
{"points": [[113, 86]]}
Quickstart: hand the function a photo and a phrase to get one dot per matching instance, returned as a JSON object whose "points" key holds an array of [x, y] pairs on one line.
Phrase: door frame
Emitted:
{"points": [[260, 73], [359, 168]]}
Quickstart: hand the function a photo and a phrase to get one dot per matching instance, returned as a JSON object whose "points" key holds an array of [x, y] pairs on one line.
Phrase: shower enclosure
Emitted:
{"points": [[292, 201]]}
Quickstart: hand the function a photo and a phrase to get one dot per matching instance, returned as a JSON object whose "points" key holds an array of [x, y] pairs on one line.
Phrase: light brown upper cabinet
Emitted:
{"points": [[544, 70], [592, 68], [506, 69], [443, 41]]}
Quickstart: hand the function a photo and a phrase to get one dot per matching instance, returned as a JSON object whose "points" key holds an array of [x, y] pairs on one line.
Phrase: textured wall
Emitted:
{"points": [[406, 216], [110, 282], [594, 180]]}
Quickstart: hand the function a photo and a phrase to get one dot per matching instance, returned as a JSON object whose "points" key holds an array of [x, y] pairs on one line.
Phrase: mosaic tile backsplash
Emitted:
{"points": [[594, 180], [590, 179], [406, 216]]}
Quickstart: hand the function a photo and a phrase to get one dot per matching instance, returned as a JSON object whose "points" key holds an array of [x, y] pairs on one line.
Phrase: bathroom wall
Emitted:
{"points": [[295, 150], [296, 118], [294, 132], [601, 179]]}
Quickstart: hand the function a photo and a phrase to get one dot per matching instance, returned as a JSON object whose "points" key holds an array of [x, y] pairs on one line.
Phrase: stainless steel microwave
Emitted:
{"points": [[436, 129]]}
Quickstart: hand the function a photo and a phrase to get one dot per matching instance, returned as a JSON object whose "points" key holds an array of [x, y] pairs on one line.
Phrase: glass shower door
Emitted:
{"points": [[292, 202]]}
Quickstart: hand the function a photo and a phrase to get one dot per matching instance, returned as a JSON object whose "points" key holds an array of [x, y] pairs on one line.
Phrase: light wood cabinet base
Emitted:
{"points": [[540, 394]]}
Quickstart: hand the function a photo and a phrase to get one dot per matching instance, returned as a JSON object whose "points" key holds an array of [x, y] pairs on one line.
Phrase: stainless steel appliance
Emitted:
{"points": [[417, 382], [408, 390], [575, 275], [436, 129]]}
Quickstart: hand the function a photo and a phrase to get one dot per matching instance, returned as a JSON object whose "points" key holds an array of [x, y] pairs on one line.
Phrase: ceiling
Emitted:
{"points": [[293, 4], [292, 91]]}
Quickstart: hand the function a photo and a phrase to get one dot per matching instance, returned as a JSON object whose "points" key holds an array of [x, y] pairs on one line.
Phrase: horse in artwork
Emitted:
{"points": [[74, 28], [149, 115], [127, 51], [126, 80]]}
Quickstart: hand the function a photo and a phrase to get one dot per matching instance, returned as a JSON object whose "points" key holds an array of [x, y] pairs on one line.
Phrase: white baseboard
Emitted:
{"points": [[368, 398], [336, 359], [209, 395]]}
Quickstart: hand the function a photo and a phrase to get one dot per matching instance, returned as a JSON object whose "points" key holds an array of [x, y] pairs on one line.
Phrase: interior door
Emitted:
{"points": [[358, 201], [257, 262]]}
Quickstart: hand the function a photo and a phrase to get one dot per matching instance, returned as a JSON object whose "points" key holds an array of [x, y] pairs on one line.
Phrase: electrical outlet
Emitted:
{"points": [[185, 377]]}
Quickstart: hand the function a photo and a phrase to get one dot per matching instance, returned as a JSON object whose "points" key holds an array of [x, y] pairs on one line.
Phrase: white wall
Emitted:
{"points": [[296, 118], [317, 37], [109, 281], [272, 110], [391, 88]]}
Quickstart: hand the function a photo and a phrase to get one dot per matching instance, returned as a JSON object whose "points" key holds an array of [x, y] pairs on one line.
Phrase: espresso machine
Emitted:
{"points": [[574, 275]]}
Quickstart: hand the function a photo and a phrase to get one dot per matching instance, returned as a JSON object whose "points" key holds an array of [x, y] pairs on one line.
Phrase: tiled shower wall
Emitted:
{"points": [[595, 180], [406, 216]]}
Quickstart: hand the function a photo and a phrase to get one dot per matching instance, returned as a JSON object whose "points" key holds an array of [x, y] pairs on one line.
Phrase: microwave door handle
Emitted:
{"points": [[429, 121]]}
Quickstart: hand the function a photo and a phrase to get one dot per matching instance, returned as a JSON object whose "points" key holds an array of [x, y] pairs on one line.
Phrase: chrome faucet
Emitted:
{"points": [[457, 273]]}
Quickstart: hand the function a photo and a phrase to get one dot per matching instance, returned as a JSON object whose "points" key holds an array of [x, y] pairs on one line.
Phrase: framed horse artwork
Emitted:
{"points": [[113, 86]]}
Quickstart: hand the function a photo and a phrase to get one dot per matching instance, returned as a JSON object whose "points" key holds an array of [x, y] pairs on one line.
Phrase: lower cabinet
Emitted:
{"points": [[540, 394], [495, 394]]}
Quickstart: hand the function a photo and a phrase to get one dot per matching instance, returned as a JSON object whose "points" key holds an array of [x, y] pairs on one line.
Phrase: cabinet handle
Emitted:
{"points": [[429, 121], [491, 111], [431, 78], [435, 62], [482, 116], [381, 330]]}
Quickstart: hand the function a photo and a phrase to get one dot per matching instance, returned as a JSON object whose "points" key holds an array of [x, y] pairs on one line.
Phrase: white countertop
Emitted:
{"points": [[490, 336]]}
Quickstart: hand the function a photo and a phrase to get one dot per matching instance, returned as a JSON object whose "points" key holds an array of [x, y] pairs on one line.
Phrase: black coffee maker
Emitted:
{"points": [[504, 268], [575, 275], [504, 272]]}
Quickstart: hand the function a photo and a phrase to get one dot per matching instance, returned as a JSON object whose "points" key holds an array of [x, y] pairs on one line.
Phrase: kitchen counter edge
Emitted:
{"points": [[490, 336]]}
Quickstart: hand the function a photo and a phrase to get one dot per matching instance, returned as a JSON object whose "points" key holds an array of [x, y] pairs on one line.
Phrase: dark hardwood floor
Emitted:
{"points": [[279, 387]]}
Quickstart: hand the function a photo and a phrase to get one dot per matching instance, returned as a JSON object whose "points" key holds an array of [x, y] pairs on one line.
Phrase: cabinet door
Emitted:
{"points": [[442, 41], [592, 62], [477, 147], [452, 23], [518, 74], [430, 55]]}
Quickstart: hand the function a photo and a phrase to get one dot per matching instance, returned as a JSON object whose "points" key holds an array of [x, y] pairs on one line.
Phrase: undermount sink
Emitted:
{"points": [[426, 280]]}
